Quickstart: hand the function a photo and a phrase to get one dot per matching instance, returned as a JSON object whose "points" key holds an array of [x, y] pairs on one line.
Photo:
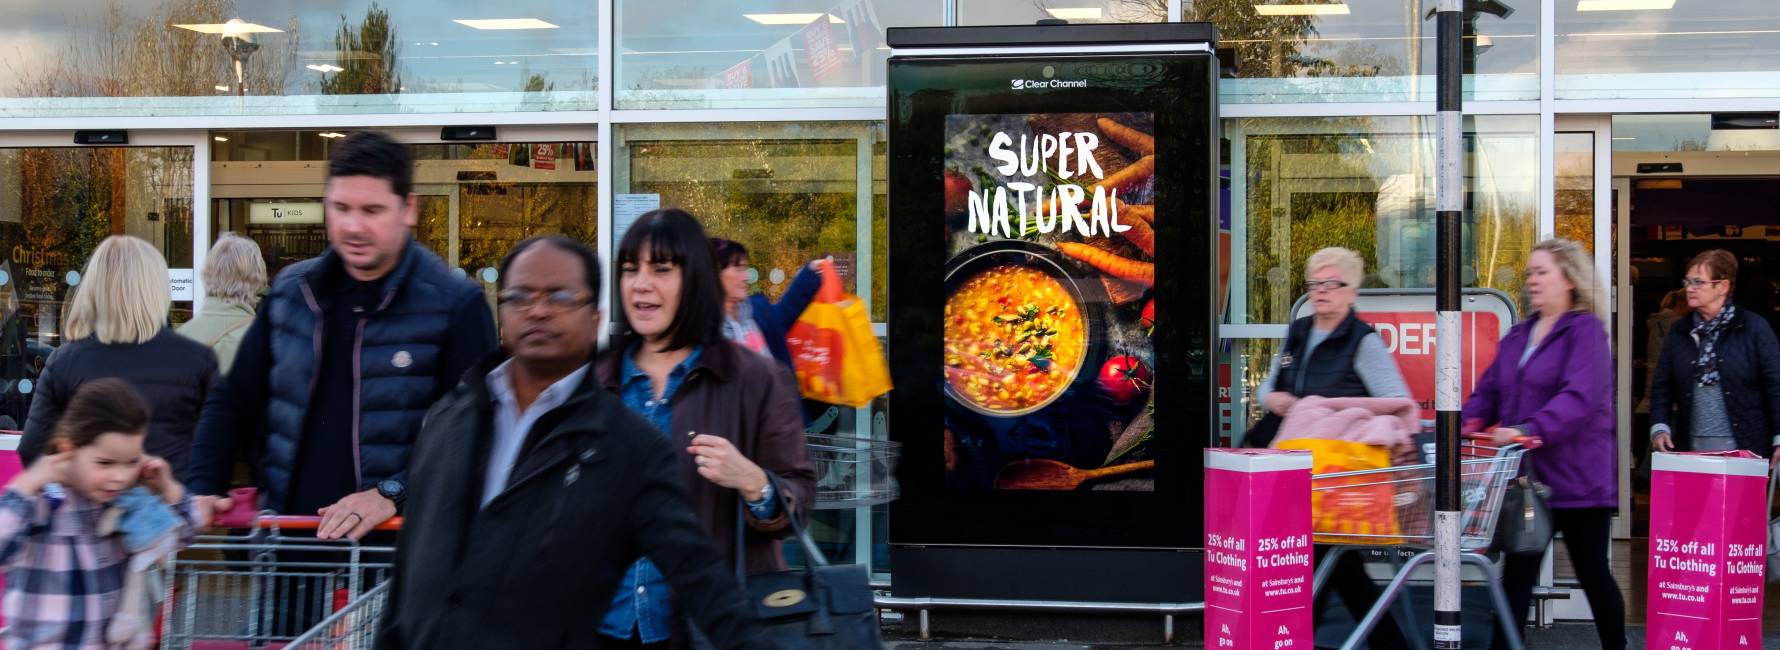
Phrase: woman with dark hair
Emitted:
{"points": [[735, 410], [751, 319], [1717, 383]]}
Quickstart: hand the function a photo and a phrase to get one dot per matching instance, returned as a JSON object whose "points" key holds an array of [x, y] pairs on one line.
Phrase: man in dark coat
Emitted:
{"points": [[345, 355], [534, 490]]}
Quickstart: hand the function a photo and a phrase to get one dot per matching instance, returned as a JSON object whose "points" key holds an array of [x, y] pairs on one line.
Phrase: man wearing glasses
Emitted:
{"points": [[535, 489]]}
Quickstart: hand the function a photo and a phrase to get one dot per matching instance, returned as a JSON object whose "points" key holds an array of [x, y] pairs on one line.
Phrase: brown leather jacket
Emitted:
{"points": [[748, 399]]}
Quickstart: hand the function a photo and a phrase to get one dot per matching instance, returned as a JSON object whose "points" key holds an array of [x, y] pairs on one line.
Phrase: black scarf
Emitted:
{"points": [[1707, 331]]}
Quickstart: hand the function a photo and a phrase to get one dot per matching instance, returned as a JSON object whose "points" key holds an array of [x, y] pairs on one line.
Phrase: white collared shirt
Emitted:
{"points": [[511, 426]]}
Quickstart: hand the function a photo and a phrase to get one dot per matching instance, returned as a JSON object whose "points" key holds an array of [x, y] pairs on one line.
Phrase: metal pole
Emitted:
{"points": [[1449, 195]]}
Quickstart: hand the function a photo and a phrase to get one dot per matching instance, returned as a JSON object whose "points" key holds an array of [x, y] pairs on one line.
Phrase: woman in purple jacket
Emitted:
{"points": [[1553, 380]]}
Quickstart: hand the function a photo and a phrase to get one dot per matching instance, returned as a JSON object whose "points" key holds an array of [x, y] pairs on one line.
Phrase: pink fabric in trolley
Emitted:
{"points": [[1389, 422]]}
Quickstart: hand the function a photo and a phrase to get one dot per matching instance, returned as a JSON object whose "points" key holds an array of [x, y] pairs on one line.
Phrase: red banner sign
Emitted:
{"points": [[1410, 338]]}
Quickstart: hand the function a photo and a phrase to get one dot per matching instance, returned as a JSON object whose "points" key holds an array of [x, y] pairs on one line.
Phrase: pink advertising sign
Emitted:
{"points": [[10, 466], [1257, 549], [1707, 535]]}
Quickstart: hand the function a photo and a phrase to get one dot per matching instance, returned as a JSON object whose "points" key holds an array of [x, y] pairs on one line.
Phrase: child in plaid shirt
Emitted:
{"points": [[64, 578]]}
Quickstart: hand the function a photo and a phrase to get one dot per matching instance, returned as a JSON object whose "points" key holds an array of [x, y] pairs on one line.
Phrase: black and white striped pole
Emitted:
{"points": [[1449, 197]]}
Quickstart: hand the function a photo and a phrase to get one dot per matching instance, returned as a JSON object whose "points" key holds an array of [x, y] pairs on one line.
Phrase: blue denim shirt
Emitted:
{"points": [[641, 604]]}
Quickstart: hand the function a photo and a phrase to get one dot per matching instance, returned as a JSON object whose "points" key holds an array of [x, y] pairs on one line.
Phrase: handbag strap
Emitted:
{"points": [[814, 556]]}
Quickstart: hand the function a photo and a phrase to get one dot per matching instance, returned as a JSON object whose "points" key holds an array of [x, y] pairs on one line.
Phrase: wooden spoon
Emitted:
{"points": [[1037, 474]]}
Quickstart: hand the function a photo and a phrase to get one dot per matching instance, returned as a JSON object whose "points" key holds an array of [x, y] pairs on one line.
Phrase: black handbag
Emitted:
{"points": [[1524, 526], [819, 607]]}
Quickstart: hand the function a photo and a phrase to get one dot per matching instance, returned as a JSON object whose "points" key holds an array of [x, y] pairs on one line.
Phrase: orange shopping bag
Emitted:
{"points": [[1354, 509], [836, 356]]}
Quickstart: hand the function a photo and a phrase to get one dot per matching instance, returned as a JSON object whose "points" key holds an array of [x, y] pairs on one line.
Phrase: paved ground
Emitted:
{"points": [[1559, 636]]}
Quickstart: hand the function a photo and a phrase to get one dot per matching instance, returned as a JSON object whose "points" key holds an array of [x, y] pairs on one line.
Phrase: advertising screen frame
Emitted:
{"points": [[1045, 526]]}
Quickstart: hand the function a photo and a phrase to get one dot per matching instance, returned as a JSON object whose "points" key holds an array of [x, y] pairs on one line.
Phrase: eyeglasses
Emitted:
{"points": [[1325, 285], [560, 300], [1692, 283]]}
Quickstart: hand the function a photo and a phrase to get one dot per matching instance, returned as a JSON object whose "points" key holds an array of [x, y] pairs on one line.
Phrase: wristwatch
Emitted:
{"points": [[393, 490]]}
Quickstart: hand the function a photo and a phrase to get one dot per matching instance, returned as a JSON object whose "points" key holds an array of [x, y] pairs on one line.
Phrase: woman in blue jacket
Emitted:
{"points": [[751, 319], [1717, 384]]}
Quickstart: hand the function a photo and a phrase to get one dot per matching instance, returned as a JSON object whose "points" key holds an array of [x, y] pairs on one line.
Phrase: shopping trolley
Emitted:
{"points": [[1485, 473], [273, 589]]}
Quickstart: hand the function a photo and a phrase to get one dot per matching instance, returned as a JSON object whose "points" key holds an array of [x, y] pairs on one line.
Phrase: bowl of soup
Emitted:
{"points": [[1018, 327]]}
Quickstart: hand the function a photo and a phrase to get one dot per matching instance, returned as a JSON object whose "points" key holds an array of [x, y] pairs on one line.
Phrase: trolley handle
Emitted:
{"points": [[293, 522], [1526, 442]]}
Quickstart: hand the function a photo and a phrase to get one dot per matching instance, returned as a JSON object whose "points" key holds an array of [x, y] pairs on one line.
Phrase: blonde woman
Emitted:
{"points": [[116, 326], [1553, 379], [234, 276]]}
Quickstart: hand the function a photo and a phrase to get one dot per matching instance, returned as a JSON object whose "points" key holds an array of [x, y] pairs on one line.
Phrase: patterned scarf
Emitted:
{"points": [[1706, 367]]}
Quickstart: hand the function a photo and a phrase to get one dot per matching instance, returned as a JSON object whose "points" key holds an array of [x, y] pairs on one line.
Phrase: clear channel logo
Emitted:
{"points": [[1035, 84]]}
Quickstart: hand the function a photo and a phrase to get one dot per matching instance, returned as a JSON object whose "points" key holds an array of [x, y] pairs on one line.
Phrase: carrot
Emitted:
{"points": [[1111, 264], [1142, 211], [1142, 143], [1131, 175], [1140, 234]]}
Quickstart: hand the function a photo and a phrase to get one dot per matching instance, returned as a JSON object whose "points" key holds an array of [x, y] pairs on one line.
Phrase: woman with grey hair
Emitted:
{"points": [[234, 276], [1332, 353]]}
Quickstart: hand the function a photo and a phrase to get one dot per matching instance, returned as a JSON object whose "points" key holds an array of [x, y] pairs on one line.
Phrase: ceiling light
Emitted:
{"points": [[331, 135], [1336, 9], [230, 28], [1624, 5], [791, 19], [325, 67], [220, 139], [1624, 138], [223, 88], [1075, 13], [1483, 40], [506, 23]]}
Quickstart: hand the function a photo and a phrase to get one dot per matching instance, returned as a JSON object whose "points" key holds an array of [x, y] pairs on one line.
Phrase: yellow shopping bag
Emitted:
{"points": [[1354, 509], [836, 357]]}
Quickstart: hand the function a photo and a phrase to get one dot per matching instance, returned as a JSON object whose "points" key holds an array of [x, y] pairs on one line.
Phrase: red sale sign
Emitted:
{"points": [[1410, 337]]}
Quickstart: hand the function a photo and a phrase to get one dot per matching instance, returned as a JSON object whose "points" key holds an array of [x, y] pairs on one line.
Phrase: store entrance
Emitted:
{"points": [[1716, 188]]}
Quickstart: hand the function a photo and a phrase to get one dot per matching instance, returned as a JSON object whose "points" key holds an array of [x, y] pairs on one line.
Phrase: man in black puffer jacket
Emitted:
{"points": [[345, 356]]}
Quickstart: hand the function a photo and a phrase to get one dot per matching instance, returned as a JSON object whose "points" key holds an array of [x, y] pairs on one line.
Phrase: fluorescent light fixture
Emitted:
{"points": [[223, 88], [791, 19], [1335, 9], [219, 138], [1624, 5], [505, 23], [1483, 40], [325, 67], [331, 135], [230, 29], [1074, 13], [1624, 138]]}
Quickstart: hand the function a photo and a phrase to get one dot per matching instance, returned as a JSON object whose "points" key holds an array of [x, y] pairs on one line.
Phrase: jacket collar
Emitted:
{"points": [[329, 267], [718, 359], [214, 306], [585, 412]]}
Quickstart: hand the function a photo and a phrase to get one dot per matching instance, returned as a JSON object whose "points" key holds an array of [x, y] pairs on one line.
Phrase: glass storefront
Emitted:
{"points": [[56, 205], [295, 57], [475, 200], [1661, 49], [1293, 52], [758, 53]]}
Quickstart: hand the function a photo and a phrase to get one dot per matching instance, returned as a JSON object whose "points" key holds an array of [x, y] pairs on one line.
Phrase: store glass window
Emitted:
{"points": [[475, 200], [1662, 49], [1027, 12], [291, 57], [1367, 183], [1291, 51], [758, 53], [1574, 185], [790, 192], [56, 205]]}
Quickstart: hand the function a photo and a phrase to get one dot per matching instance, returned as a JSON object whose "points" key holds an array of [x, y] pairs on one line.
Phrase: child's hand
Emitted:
{"points": [[49, 468], [158, 476]]}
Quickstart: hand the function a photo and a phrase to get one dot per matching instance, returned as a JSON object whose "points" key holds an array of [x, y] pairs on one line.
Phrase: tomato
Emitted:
{"points": [[957, 192], [1148, 320], [1125, 379]]}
